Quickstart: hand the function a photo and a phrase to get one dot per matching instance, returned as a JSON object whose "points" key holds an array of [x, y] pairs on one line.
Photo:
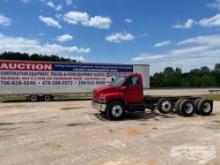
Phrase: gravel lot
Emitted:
{"points": [[73, 133]]}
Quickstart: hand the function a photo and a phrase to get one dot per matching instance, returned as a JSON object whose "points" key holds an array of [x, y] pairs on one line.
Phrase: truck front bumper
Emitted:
{"points": [[98, 106]]}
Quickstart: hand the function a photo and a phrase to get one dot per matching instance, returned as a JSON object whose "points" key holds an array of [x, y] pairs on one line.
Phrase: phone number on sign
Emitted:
{"points": [[5, 83], [28, 83], [50, 83]]}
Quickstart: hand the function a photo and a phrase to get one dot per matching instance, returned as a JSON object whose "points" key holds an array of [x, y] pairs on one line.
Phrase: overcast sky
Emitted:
{"points": [[178, 33]]}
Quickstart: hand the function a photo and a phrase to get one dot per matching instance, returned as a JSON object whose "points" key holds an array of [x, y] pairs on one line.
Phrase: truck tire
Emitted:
{"points": [[204, 107], [196, 105], [177, 105], [33, 98], [164, 105], [47, 98], [186, 108], [115, 110]]}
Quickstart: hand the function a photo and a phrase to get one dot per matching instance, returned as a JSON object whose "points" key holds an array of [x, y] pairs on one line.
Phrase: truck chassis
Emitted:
{"points": [[182, 105]]}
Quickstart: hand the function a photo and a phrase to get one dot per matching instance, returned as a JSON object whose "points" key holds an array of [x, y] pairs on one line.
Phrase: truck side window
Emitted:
{"points": [[132, 81]]}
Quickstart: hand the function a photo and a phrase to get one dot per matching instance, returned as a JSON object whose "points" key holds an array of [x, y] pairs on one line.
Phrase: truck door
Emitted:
{"points": [[134, 92]]}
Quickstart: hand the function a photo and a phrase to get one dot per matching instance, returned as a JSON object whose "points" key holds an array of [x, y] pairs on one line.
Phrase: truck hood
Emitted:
{"points": [[97, 92]]}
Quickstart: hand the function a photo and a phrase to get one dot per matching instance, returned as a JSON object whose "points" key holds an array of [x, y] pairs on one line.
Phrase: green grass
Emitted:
{"points": [[7, 99], [72, 97], [212, 97]]}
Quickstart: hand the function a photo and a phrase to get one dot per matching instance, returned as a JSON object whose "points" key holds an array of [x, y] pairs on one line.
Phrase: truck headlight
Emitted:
{"points": [[102, 99]]}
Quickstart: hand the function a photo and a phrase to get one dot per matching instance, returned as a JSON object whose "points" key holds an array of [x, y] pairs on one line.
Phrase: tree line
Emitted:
{"points": [[33, 57], [174, 77]]}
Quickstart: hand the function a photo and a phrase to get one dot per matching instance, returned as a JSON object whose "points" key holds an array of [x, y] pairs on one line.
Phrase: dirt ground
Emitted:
{"points": [[73, 133]]}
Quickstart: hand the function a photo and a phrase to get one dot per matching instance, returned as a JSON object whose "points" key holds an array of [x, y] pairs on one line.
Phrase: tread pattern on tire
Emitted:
{"points": [[177, 104], [199, 107], [181, 106], [196, 105]]}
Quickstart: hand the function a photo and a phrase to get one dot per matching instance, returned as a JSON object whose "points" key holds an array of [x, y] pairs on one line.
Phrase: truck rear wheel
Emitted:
{"points": [[164, 105], [33, 98], [204, 107], [115, 110], [186, 107], [196, 105], [177, 105], [47, 98]]}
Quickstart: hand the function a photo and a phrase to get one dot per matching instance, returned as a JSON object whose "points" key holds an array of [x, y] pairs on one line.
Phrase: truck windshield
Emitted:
{"points": [[118, 81]]}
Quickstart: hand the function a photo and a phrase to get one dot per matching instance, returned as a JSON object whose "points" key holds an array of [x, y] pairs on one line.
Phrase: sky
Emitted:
{"points": [[177, 33]]}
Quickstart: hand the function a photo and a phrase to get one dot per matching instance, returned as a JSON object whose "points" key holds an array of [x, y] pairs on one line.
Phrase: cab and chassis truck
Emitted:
{"points": [[126, 94]]}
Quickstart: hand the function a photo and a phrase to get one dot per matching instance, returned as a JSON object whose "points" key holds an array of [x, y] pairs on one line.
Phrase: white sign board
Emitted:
{"points": [[28, 77]]}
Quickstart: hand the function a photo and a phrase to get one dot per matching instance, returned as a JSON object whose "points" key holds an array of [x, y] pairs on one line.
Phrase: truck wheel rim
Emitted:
{"points": [[117, 110], [206, 107], [166, 106], [189, 108], [33, 98], [47, 98]]}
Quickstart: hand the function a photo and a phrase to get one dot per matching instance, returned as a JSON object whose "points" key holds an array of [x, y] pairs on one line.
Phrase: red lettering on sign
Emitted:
{"points": [[15, 65]]}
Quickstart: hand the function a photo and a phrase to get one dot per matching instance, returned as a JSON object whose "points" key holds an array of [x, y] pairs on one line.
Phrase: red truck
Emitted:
{"points": [[126, 94]]}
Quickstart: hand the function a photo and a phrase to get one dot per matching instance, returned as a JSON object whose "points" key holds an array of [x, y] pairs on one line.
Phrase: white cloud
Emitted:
{"points": [[20, 44], [68, 2], [119, 37], [201, 40], [100, 22], [146, 56], [128, 20], [187, 25], [5, 21], [205, 22], [215, 4], [83, 18], [76, 17], [64, 37], [77, 58], [50, 22], [189, 53], [209, 22], [161, 44], [56, 7]]}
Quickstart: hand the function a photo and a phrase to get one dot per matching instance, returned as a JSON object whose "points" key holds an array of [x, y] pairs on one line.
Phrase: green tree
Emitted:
{"points": [[34, 57], [203, 77], [157, 80], [217, 67], [204, 69], [208, 81]]}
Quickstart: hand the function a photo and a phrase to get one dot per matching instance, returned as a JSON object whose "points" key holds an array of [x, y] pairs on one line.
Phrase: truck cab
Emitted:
{"points": [[124, 93]]}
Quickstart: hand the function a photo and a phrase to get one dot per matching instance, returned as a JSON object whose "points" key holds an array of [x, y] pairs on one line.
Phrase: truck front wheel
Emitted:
{"points": [[115, 110]]}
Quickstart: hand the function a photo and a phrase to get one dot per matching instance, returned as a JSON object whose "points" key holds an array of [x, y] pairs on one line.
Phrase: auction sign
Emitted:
{"points": [[29, 77]]}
